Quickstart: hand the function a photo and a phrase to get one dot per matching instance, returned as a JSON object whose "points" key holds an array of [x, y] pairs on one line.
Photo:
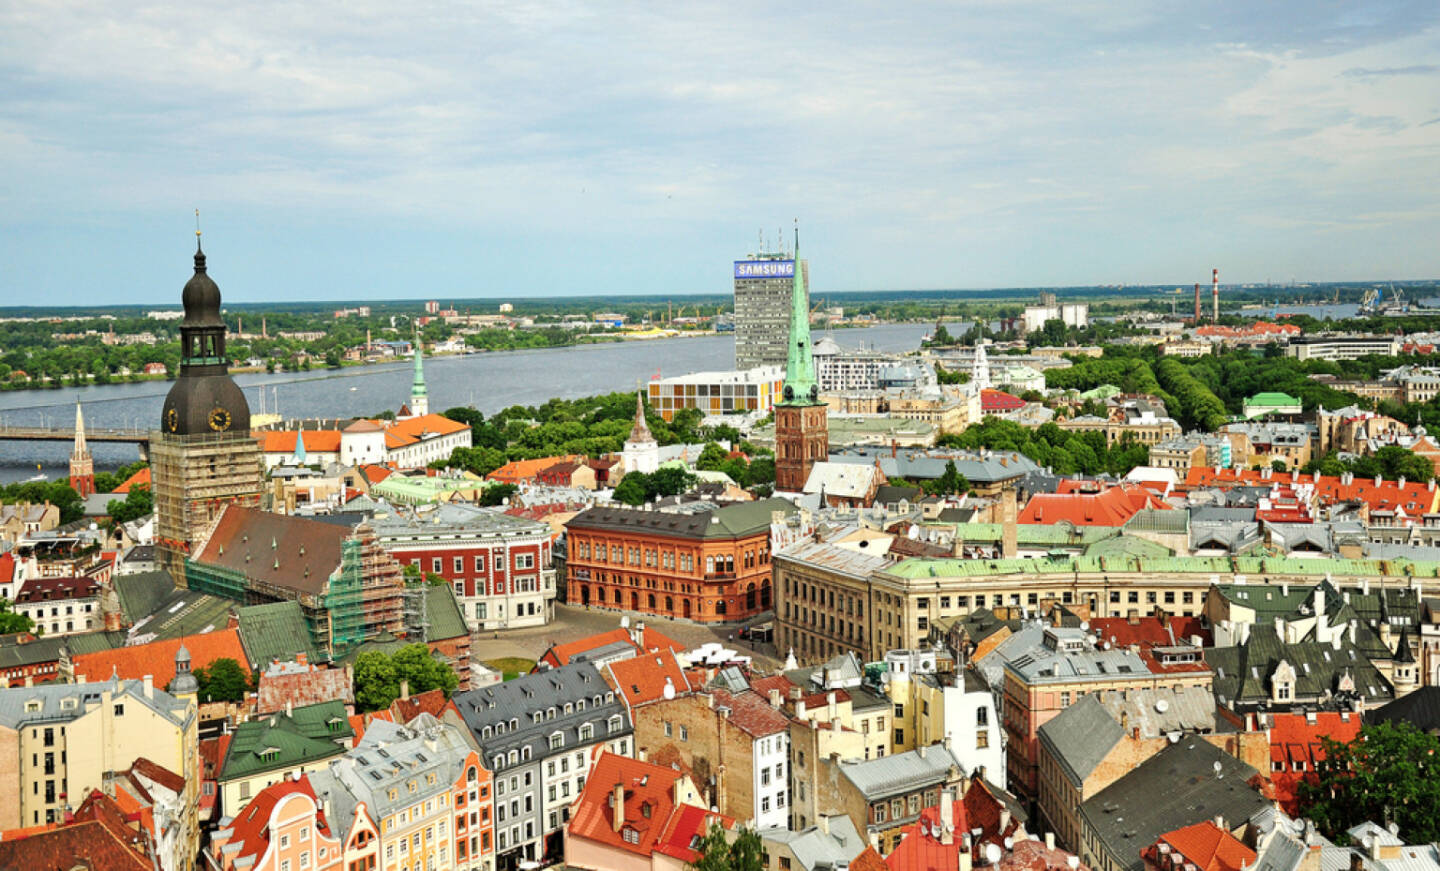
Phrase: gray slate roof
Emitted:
{"points": [[902, 772], [811, 846], [1080, 736], [501, 718], [988, 467], [50, 703], [1176, 787]]}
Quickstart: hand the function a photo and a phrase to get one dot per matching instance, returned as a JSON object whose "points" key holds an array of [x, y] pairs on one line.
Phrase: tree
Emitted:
{"points": [[949, 482], [1387, 774], [10, 621], [378, 677], [496, 494], [718, 854], [669, 481], [631, 489], [224, 681], [138, 503], [711, 457]]}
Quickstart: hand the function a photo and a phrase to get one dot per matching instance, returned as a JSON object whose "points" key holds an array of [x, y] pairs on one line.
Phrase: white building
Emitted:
{"points": [[641, 452], [967, 716], [771, 780], [60, 606], [1073, 314]]}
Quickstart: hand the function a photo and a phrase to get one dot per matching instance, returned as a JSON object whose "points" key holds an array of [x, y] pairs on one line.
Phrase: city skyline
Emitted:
{"points": [[354, 154]]}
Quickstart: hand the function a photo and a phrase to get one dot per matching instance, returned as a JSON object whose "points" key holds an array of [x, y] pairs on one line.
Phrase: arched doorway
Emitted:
{"points": [[634, 601], [669, 605], [685, 607], [650, 601], [765, 596], [749, 597], [585, 596]]}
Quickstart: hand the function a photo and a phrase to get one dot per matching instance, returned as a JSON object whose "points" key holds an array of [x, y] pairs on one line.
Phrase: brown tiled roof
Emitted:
{"points": [[290, 552], [160, 774], [56, 590], [751, 713], [430, 702], [304, 688], [90, 844]]}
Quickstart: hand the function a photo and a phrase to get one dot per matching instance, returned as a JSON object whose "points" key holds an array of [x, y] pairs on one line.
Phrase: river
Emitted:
{"points": [[488, 381]]}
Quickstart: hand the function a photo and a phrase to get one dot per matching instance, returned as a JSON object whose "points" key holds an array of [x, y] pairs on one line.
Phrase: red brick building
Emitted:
{"points": [[500, 566], [706, 565]]}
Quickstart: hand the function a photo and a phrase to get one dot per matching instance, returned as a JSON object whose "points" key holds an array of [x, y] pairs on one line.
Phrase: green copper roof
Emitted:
{"points": [[276, 630], [1272, 399], [930, 567], [281, 741], [801, 387], [418, 388]]}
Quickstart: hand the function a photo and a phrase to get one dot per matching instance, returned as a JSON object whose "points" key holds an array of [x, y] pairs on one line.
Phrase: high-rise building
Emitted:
{"points": [[763, 284], [204, 457], [82, 465], [802, 434]]}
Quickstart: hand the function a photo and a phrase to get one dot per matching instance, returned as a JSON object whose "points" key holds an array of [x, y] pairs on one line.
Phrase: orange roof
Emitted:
{"points": [[653, 821], [157, 658], [1296, 745], [1110, 508], [517, 471], [250, 830], [321, 441], [921, 847], [999, 400], [416, 429], [375, 474], [1208, 846], [643, 678], [139, 479], [561, 654], [1414, 498]]}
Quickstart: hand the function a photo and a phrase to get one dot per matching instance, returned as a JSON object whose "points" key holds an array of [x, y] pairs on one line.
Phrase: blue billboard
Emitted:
{"points": [[764, 268]]}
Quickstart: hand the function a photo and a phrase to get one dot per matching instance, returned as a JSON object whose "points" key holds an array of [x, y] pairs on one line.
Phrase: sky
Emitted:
{"points": [[380, 150]]}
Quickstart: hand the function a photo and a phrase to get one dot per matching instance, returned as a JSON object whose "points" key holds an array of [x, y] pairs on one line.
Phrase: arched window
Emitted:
{"points": [[471, 775]]}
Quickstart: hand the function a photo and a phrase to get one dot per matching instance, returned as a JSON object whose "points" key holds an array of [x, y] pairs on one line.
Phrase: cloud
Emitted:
{"points": [[1416, 70]]}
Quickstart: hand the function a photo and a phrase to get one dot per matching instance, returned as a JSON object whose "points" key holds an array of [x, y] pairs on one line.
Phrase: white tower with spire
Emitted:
{"points": [[980, 369], [642, 452]]}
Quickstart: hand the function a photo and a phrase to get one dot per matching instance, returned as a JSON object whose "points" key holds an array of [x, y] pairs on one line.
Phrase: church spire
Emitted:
{"points": [[640, 432], [82, 465], [419, 398], [801, 388]]}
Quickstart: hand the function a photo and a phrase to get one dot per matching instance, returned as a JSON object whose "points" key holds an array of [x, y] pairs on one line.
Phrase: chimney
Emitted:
{"points": [[617, 807], [774, 698], [1009, 546], [1004, 821], [404, 688], [641, 753], [302, 658], [1049, 840], [822, 822], [1220, 822], [947, 817], [830, 713], [800, 710], [966, 862]]}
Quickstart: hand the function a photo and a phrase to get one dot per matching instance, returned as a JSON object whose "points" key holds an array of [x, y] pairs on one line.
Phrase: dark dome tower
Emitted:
{"points": [[204, 456]]}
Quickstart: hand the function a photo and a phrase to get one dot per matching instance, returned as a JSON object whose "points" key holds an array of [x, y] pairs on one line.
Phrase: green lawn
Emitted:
{"points": [[511, 667]]}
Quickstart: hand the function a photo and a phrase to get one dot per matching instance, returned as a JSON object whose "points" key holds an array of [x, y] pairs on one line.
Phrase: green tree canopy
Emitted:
{"points": [[224, 681], [10, 621], [1387, 774], [717, 853], [378, 676]]}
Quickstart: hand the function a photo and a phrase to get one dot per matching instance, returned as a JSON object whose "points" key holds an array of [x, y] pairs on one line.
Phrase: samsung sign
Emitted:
{"points": [[764, 268]]}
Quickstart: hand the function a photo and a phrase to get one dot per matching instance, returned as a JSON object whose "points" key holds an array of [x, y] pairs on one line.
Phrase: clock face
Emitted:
{"points": [[219, 420], [172, 419]]}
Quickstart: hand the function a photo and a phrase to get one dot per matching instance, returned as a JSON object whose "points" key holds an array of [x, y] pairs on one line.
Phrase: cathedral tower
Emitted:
{"points": [[82, 465], [419, 395], [802, 434], [204, 456]]}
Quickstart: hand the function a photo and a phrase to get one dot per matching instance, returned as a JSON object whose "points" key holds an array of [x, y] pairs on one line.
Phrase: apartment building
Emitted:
{"points": [[60, 740], [882, 797], [539, 735]]}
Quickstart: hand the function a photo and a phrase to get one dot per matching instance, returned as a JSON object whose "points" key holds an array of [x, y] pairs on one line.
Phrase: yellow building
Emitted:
{"points": [[57, 742]]}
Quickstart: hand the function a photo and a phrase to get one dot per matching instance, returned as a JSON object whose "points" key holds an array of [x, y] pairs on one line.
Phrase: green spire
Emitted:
{"points": [[801, 388], [418, 388]]}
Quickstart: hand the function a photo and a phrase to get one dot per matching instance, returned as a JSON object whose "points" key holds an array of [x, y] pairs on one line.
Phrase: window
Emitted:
{"points": [[668, 729], [524, 560], [982, 716], [982, 739], [479, 563], [684, 734], [304, 834], [305, 859], [119, 709], [437, 565], [284, 842], [459, 564]]}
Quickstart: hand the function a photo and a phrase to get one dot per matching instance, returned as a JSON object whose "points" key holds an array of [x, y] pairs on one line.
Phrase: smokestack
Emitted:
{"points": [[617, 804], [1215, 292], [1197, 303]]}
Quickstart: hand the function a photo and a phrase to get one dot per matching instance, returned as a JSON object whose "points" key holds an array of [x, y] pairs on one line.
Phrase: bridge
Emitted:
{"points": [[139, 437]]}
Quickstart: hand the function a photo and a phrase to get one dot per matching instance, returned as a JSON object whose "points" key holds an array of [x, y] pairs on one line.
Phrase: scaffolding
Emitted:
{"points": [[366, 597], [193, 477]]}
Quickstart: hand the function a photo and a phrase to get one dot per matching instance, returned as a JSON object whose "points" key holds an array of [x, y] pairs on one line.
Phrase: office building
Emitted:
{"points": [[763, 285]]}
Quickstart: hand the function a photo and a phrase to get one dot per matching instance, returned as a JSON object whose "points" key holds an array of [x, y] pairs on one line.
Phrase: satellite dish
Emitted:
{"points": [[993, 854], [1219, 770], [1162, 705]]}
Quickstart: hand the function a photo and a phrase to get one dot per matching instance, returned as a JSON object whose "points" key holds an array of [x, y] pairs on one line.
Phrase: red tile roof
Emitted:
{"points": [[375, 474], [416, 429], [139, 479], [1296, 745], [652, 819], [561, 654], [868, 860], [1150, 631], [1206, 845], [90, 844], [56, 590], [251, 827], [998, 400], [643, 678], [920, 848], [751, 713], [517, 471], [1414, 498], [432, 702], [158, 657], [1111, 507], [320, 441]]}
